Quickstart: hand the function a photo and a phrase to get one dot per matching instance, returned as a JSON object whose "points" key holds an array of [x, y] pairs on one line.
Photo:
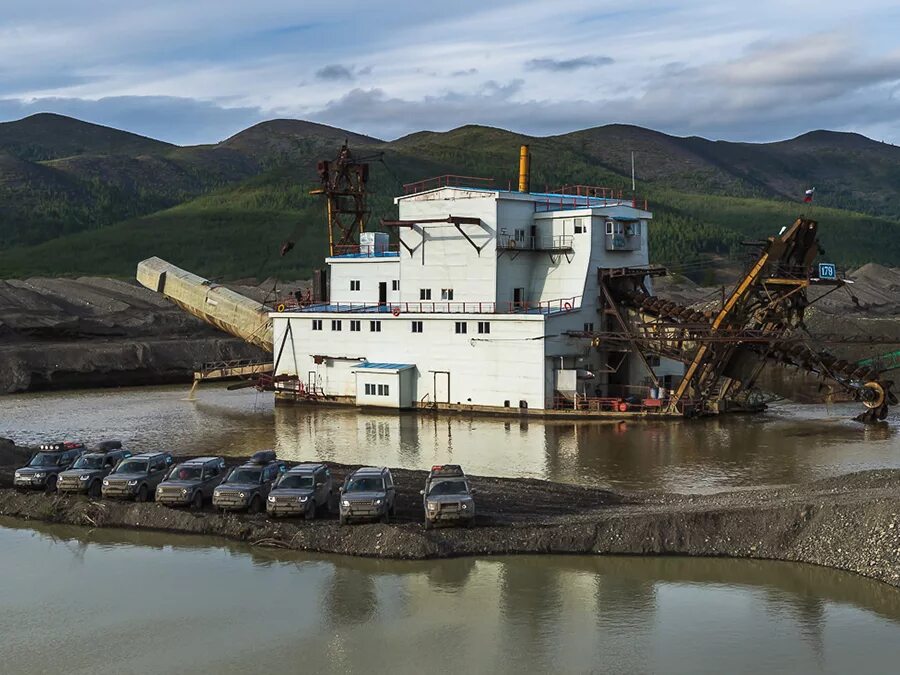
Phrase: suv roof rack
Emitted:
{"points": [[60, 446], [446, 470], [262, 457]]}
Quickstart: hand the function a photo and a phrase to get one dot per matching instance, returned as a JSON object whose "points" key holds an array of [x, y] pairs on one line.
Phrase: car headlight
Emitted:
{"points": [[106, 482], [242, 495], [432, 506], [345, 503], [184, 492], [40, 475], [271, 499], [18, 475], [465, 506], [132, 483], [302, 499], [87, 477], [377, 502]]}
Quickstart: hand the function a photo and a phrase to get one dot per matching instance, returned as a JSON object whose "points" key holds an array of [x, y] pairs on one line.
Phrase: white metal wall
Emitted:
{"points": [[369, 272]]}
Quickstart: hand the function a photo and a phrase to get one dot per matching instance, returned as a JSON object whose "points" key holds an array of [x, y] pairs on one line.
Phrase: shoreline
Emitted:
{"points": [[849, 523]]}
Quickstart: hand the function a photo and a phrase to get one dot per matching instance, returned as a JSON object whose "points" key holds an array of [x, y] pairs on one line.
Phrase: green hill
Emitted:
{"points": [[99, 204]]}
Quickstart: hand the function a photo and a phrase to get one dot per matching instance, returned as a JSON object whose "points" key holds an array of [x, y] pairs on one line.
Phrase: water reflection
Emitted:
{"points": [[789, 444], [230, 608]]}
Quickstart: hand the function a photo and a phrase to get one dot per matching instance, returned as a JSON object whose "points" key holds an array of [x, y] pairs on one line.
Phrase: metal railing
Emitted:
{"points": [[437, 307], [365, 250], [561, 242], [447, 180]]}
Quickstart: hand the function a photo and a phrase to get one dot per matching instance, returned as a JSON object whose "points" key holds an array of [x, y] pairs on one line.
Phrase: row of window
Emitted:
{"points": [[378, 390], [462, 327], [425, 294], [356, 285]]}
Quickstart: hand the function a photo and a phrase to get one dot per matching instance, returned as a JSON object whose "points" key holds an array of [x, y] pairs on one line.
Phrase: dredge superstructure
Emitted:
{"points": [[514, 301]]}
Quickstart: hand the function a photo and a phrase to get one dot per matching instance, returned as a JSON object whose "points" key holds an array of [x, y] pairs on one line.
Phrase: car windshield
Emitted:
{"points": [[296, 482], [367, 484], [183, 472], [448, 487], [244, 476], [132, 466], [89, 462], [45, 459]]}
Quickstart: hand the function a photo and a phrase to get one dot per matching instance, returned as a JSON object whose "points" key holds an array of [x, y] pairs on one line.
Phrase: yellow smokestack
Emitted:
{"points": [[524, 169]]}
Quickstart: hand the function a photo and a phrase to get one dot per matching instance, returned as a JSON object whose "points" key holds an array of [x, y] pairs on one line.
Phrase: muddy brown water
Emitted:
{"points": [[788, 444], [110, 601], [113, 601]]}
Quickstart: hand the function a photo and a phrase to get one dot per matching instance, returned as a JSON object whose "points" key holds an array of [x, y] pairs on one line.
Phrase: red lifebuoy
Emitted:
{"points": [[568, 306], [623, 407], [395, 311]]}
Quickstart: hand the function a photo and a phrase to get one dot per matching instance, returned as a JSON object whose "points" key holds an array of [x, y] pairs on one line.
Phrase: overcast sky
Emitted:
{"points": [[197, 71]]}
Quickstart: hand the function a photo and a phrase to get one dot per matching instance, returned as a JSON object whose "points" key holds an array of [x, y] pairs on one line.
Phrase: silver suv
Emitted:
{"points": [[368, 494], [248, 485], [137, 477], [305, 489], [447, 497]]}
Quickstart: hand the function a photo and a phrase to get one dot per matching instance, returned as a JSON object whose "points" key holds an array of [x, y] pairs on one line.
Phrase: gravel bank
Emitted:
{"points": [[850, 523]]}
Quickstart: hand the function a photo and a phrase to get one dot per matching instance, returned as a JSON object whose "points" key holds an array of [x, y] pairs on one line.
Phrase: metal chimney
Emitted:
{"points": [[524, 169]]}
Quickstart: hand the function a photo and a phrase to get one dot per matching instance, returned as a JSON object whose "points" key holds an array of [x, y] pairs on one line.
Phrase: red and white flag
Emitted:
{"points": [[809, 195]]}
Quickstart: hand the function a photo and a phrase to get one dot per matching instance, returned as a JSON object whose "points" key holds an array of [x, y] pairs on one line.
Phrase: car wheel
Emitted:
{"points": [[386, 517], [51, 484], [310, 512], [197, 501], [428, 524], [142, 494], [94, 491], [255, 505], [342, 519]]}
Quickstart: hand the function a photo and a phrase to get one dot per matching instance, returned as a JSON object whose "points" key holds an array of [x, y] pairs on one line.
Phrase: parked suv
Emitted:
{"points": [[48, 462], [87, 473], [137, 477], [248, 485], [368, 493], [305, 489], [191, 482], [447, 497]]}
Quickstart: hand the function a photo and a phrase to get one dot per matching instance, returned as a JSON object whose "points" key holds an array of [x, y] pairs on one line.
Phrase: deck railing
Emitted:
{"points": [[434, 307]]}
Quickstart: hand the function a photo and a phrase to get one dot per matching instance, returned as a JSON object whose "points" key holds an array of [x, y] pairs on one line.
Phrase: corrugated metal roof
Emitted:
{"points": [[383, 366]]}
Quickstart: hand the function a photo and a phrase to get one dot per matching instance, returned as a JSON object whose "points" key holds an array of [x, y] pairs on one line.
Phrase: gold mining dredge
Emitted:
{"points": [[522, 302]]}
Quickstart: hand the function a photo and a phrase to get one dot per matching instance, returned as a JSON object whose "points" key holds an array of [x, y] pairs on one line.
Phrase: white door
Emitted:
{"points": [[441, 387]]}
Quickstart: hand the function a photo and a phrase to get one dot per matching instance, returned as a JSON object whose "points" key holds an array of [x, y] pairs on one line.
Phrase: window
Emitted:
{"points": [[384, 390], [589, 328], [375, 326], [370, 390], [520, 234], [354, 326], [446, 294], [416, 326], [424, 294], [580, 226], [354, 284], [395, 285], [484, 327], [317, 324], [335, 324], [610, 227], [461, 327]]}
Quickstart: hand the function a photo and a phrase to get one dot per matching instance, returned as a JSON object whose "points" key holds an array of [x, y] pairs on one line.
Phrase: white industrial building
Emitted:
{"points": [[484, 305]]}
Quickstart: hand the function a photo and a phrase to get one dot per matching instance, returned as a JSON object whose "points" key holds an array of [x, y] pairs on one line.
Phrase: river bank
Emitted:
{"points": [[850, 522]]}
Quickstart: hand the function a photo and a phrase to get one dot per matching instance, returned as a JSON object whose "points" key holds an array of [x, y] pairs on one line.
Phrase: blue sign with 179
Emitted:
{"points": [[827, 271]]}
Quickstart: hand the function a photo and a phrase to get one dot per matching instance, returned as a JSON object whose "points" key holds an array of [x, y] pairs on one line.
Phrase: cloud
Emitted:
{"points": [[334, 72], [568, 65]]}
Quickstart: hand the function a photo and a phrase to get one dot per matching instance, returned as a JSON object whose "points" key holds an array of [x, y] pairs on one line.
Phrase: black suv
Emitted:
{"points": [[89, 470], [248, 485], [368, 493], [191, 482], [137, 477], [304, 490], [48, 462]]}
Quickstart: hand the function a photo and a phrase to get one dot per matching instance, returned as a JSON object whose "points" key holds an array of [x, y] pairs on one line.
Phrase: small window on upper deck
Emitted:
{"points": [[580, 226]]}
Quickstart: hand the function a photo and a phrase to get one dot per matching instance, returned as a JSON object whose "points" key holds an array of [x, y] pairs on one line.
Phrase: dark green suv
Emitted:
{"points": [[48, 462], [137, 477], [306, 489], [191, 482], [87, 473], [248, 485]]}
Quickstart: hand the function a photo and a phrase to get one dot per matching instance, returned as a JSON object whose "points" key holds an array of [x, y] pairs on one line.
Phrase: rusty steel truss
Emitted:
{"points": [[724, 350], [343, 183]]}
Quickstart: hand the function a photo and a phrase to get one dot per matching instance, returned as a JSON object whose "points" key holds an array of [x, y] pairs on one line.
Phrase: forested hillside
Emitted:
{"points": [[76, 198]]}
